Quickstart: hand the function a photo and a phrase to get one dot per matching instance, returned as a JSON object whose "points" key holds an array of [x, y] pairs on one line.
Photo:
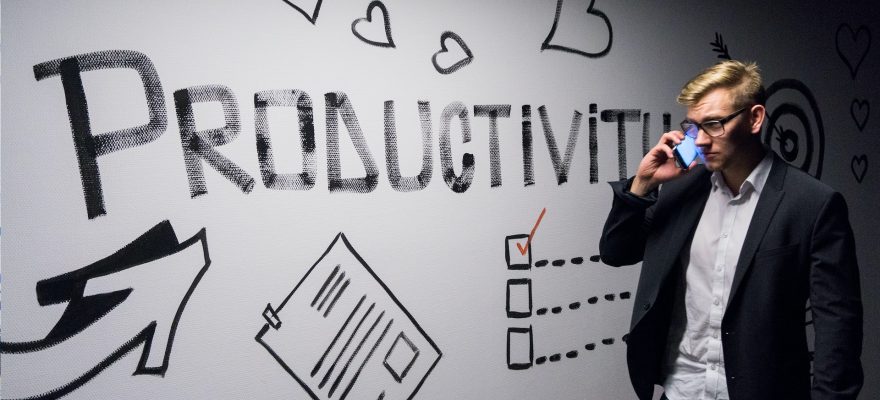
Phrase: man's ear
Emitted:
{"points": [[756, 118]]}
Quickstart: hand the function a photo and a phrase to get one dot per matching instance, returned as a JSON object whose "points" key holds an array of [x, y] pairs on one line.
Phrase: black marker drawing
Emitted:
{"points": [[555, 357], [91, 146], [360, 327], [591, 12], [622, 117], [387, 41], [795, 129], [852, 46], [519, 298], [528, 164], [573, 306], [493, 112], [514, 258], [285, 98], [409, 183], [594, 145], [337, 102], [719, 47], [520, 348], [859, 166], [200, 145], [458, 183], [468, 55], [561, 167], [103, 288], [309, 10], [860, 111]]}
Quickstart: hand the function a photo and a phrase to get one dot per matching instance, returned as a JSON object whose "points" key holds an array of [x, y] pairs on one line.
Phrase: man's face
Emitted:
{"points": [[721, 152]]}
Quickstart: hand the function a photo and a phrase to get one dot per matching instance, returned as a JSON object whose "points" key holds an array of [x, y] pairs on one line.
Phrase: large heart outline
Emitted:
{"points": [[854, 37], [860, 119], [386, 19], [859, 162], [443, 49], [590, 10]]}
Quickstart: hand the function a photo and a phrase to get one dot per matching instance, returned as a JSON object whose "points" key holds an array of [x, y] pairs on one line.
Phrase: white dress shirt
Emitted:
{"points": [[694, 366]]}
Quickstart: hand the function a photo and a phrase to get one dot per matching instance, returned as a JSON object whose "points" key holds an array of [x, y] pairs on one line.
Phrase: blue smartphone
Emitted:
{"points": [[685, 152]]}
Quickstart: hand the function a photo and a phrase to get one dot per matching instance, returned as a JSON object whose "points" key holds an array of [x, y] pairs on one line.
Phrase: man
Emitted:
{"points": [[731, 252]]}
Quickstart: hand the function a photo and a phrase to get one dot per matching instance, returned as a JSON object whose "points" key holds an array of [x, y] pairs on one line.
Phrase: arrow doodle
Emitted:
{"points": [[96, 290]]}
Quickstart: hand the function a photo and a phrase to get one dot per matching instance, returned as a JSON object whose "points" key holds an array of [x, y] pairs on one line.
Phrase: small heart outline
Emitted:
{"points": [[860, 162], [861, 119], [443, 49], [386, 19]]}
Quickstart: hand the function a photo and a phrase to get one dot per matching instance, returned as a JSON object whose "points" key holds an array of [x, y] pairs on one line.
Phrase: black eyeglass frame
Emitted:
{"points": [[687, 123]]}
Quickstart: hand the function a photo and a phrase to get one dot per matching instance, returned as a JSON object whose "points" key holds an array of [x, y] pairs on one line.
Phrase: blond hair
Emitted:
{"points": [[743, 80]]}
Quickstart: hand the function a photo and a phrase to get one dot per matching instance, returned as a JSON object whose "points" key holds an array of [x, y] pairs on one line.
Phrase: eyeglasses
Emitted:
{"points": [[712, 128]]}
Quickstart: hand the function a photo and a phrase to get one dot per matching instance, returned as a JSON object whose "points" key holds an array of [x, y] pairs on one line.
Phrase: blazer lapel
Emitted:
{"points": [[761, 221]]}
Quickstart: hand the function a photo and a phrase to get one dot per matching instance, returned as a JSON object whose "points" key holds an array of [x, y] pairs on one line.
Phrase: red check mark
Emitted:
{"points": [[524, 249]]}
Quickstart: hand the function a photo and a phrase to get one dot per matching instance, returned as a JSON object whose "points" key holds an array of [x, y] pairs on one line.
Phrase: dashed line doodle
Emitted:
{"points": [[460, 48], [561, 262], [574, 306], [308, 8], [572, 354], [366, 331], [367, 22], [580, 32]]}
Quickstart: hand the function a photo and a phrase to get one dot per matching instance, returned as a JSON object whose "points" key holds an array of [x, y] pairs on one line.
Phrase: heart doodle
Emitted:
{"points": [[590, 11], [853, 46], [859, 166], [860, 110], [312, 16], [469, 56], [387, 41]]}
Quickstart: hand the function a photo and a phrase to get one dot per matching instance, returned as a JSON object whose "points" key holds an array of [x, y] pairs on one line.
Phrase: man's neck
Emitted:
{"points": [[737, 174]]}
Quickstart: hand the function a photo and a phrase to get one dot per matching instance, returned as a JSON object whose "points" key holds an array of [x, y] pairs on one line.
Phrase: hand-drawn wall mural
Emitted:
{"points": [[105, 288], [520, 304], [367, 332], [853, 47], [86, 158]]}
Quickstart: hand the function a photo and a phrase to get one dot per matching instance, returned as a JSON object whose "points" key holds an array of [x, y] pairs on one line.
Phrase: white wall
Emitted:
{"points": [[431, 258]]}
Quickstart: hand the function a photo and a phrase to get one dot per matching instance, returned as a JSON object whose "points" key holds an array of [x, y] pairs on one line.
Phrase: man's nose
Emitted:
{"points": [[703, 138]]}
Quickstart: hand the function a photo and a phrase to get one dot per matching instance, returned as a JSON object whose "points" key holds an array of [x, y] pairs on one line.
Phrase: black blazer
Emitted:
{"points": [[799, 246]]}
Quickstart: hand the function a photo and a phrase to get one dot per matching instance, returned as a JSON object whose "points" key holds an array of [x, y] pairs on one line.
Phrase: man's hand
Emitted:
{"points": [[658, 166]]}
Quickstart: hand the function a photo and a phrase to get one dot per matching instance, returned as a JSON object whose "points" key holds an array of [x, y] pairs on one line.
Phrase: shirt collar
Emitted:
{"points": [[756, 179]]}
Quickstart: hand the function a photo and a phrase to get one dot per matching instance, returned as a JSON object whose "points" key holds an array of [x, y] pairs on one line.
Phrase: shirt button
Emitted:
{"points": [[715, 335], [716, 301], [723, 235], [713, 367]]}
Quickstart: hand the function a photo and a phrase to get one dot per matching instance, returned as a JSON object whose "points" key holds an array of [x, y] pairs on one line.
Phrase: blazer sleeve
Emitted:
{"points": [[835, 299], [625, 231]]}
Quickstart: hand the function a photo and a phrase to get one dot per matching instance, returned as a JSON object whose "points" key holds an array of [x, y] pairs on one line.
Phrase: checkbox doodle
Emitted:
{"points": [[513, 257]]}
